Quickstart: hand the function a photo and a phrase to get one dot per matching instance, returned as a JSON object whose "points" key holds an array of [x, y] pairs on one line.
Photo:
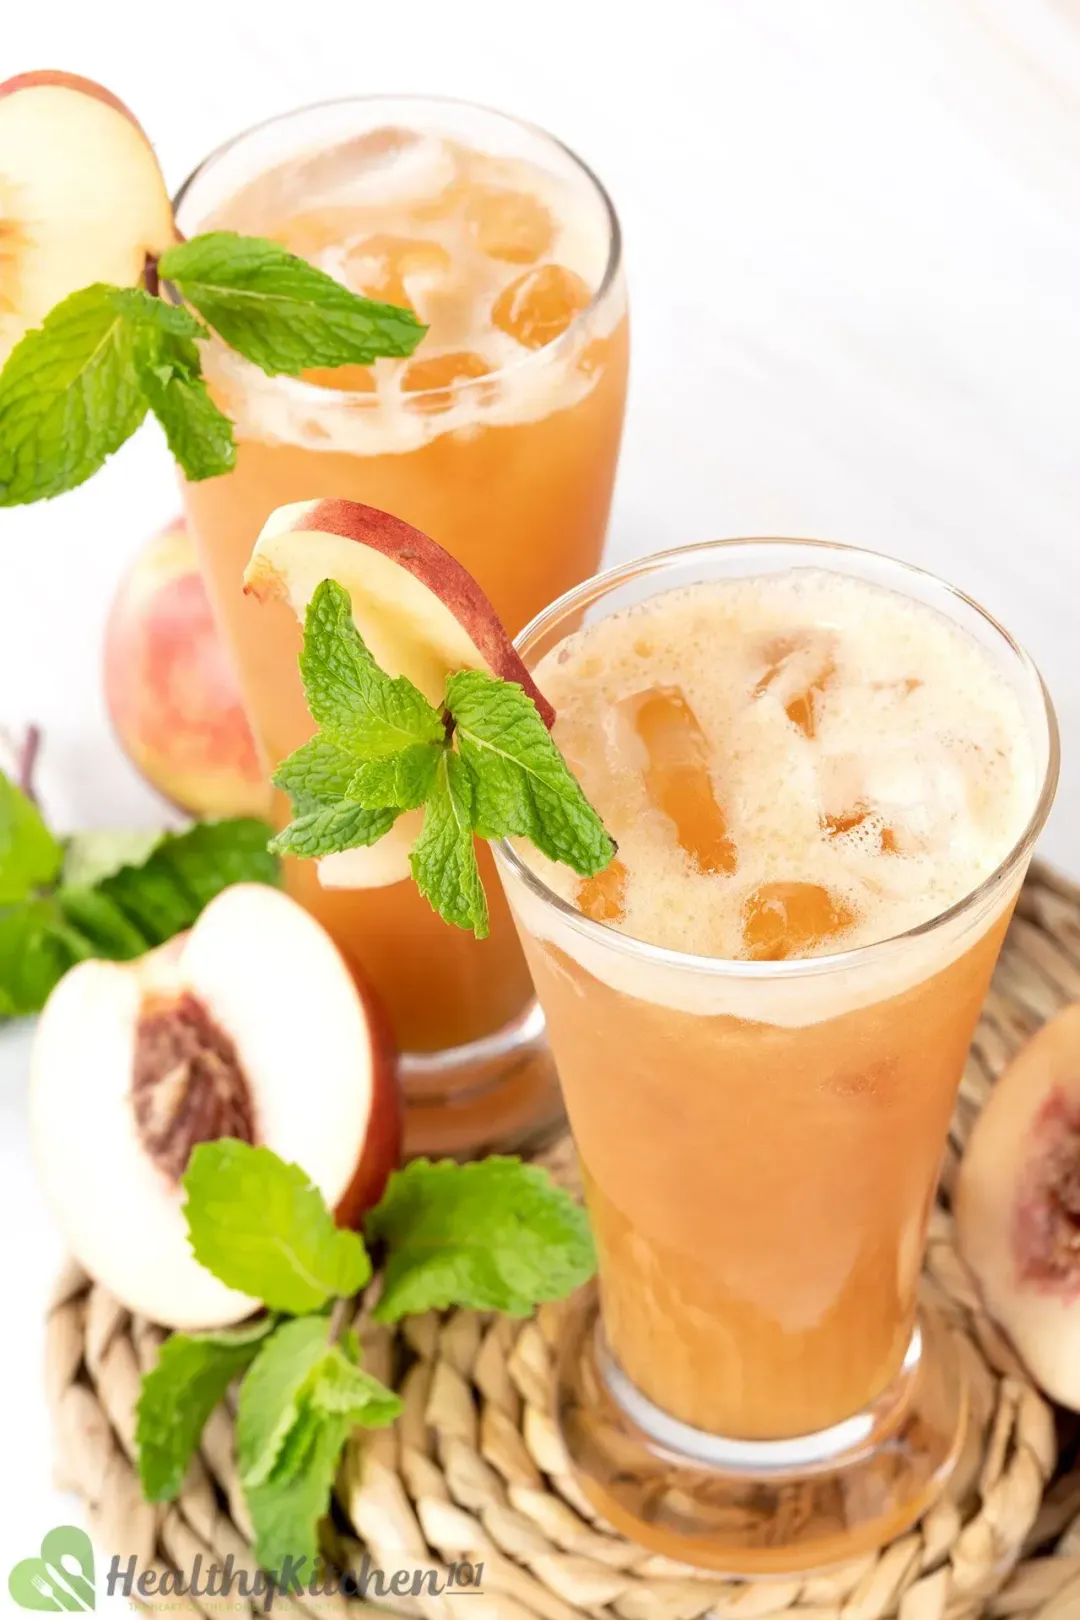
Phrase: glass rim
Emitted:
{"points": [[320, 392], [663, 956]]}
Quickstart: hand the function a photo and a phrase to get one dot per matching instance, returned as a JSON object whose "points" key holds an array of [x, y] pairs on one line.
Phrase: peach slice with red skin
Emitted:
{"points": [[82, 198], [1017, 1205], [250, 1025], [419, 611]]}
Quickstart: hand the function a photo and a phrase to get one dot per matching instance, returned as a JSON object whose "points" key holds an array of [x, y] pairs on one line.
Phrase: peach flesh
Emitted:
{"points": [[250, 1025], [1046, 1223], [82, 198]]}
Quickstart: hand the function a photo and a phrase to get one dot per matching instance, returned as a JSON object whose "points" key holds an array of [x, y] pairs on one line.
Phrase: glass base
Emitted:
{"points": [[785, 1507], [498, 1094]]}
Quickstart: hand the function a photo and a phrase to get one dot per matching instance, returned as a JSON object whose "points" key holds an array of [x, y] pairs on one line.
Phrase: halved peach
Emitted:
{"points": [[248, 1026], [1017, 1205], [419, 611], [82, 198]]}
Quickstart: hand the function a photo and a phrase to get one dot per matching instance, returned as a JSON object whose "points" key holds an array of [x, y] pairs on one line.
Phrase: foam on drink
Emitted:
{"points": [[497, 256], [792, 765]]}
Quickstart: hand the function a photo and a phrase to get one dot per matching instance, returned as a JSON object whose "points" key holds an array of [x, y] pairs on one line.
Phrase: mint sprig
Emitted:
{"points": [[74, 389], [69, 396], [280, 311], [105, 895], [260, 1224], [485, 766], [167, 1429], [497, 1236]]}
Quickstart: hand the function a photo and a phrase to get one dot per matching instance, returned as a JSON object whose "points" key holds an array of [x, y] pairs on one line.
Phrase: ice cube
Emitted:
{"points": [[798, 669], [317, 233], [387, 267], [677, 777], [603, 897], [433, 382], [509, 225], [539, 306], [792, 919], [380, 167], [348, 379]]}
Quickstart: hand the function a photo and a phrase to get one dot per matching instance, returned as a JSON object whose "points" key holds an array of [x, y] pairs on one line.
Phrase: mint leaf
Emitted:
{"points": [[443, 859], [522, 783], [178, 1395], [298, 1404], [261, 1226], [317, 775], [286, 1508], [34, 956], [104, 929], [213, 855], [69, 396], [146, 313], [119, 895], [199, 435], [300, 1368], [405, 780], [184, 871], [30, 857], [278, 310], [325, 832], [496, 1235], [356, 703], [341, 1385], [91, 856], [269, 1403]]}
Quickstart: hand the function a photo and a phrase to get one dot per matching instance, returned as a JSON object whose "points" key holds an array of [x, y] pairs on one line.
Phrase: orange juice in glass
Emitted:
{"points": [[498, 437], [825, 772]]}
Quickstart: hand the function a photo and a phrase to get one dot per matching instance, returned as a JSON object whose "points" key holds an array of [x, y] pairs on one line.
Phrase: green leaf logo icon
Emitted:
{"points": [[61, 1580]]}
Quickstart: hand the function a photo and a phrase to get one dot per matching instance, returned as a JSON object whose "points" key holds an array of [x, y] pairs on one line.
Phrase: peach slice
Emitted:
{"points": [[1017, 1205], [419, 611], [81, 196], [249, 1026]]}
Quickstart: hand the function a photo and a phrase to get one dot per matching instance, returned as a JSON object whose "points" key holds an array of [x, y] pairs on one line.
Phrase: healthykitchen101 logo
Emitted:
{"points": [[61, 1579]]}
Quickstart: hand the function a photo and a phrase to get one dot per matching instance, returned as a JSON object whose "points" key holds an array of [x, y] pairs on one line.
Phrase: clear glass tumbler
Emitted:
{"points": [[757, 1386], [502, 447]]}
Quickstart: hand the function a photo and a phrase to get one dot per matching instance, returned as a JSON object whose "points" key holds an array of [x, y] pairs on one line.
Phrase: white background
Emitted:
{"points": [[853, 243]]}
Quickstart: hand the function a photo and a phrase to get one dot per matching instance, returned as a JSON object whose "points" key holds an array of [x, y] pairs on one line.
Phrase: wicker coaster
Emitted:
{"points": [[474, 1469]]}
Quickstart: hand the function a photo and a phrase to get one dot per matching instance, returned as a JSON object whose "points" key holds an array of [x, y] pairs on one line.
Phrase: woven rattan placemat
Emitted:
{"points": [[474, 1469]]}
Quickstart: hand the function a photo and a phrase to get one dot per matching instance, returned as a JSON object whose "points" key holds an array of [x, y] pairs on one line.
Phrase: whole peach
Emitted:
{"points": [[170, 688]]}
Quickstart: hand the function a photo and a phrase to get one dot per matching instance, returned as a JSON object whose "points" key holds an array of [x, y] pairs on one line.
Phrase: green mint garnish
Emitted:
{"points": [[498, 1235], [486, 766], [261, 1227], [287, 1507], [69, 396], [105, 895], [30, 857], [368, 713], [192, 1374], [443, 859], [74, 389], [523, 784], [281, 312], [299, 1367]]}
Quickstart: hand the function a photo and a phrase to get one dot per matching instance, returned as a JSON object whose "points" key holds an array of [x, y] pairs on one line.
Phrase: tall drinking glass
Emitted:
{"points": [[499, 438], [760, 1142]]}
